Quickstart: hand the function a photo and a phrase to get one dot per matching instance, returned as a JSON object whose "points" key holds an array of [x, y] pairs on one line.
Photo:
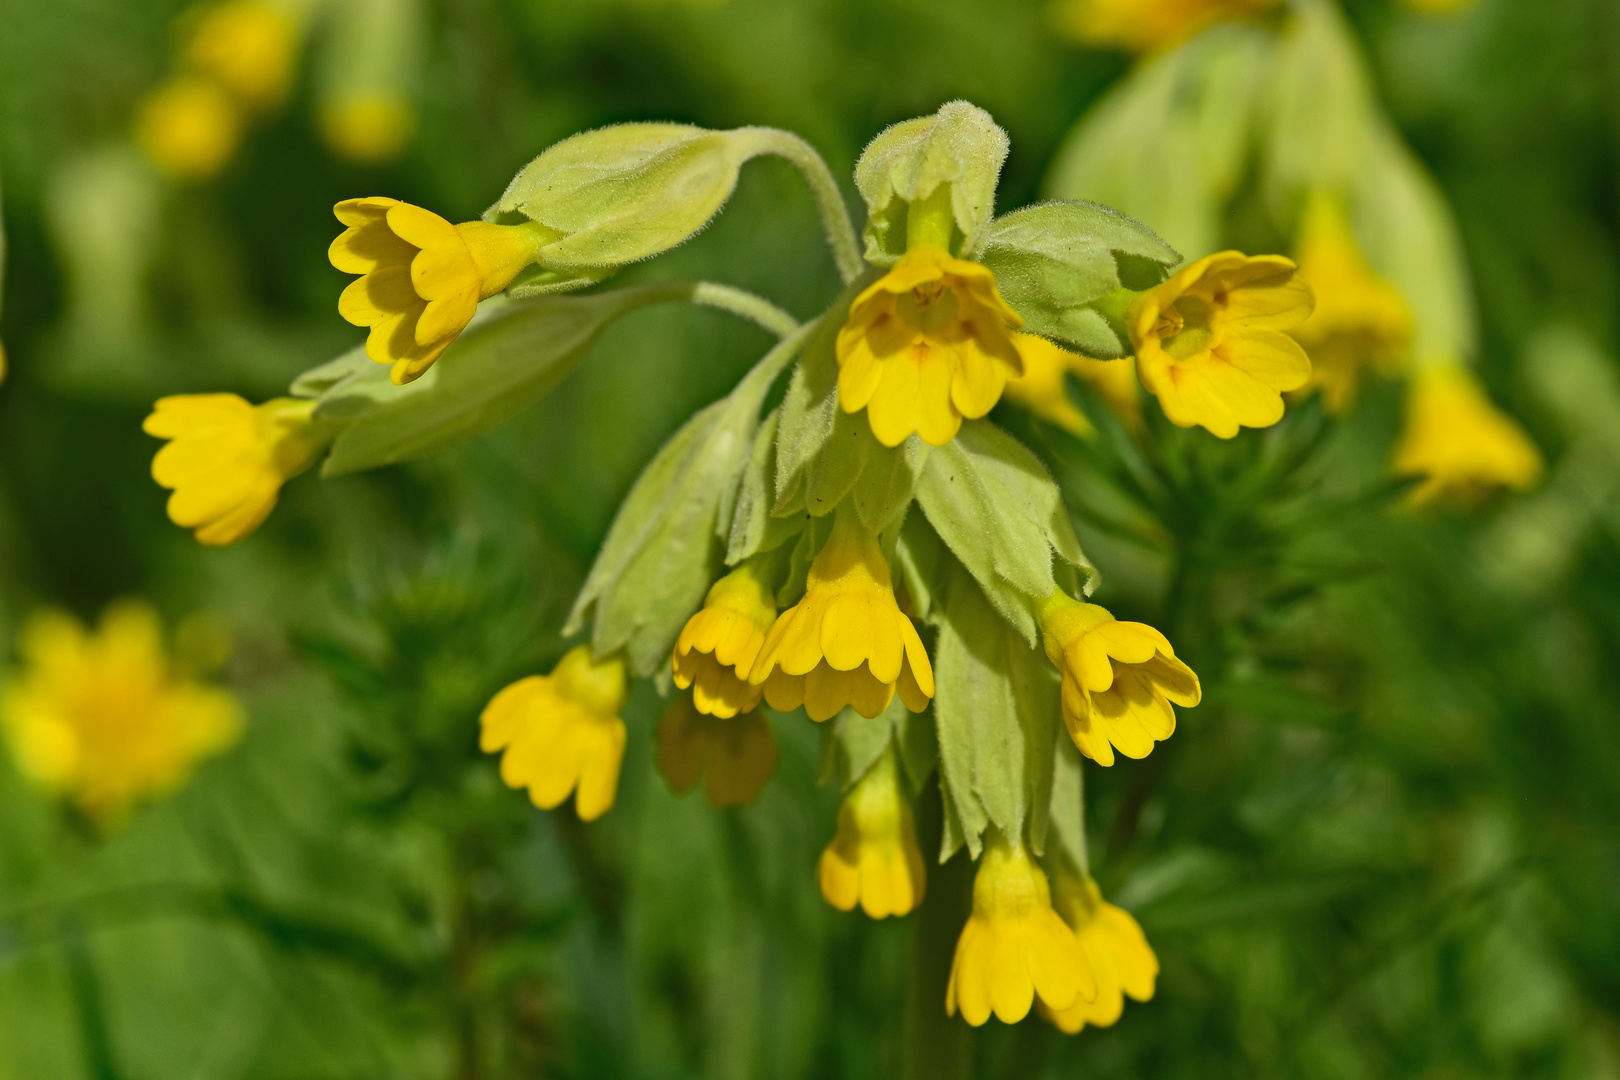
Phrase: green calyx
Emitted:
{"points": [[930, 221]]}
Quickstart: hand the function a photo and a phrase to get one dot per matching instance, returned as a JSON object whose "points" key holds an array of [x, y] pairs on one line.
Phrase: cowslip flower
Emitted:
{"points": [[734, 756], [246, 47], [1210, 344], [718, 646], [1119, 679], [561, 733], [104, 717], [1147, 25], [226, 459], [925, 346], [1118, 951], [189, 128], [1461, 444], [370, 130], [846, 643], [873, 859], [1360, 322], [1014, 947], [422, 277], [1042, 391]]}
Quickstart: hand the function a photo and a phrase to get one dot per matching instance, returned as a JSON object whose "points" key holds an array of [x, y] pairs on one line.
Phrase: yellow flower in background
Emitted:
{"points": [[561, 733], [925, 346], [104, 717], [874, 859], [227, 459], [1146, 25], [368, 130], [1461, 444], [1209, 341], [1041, 389], [1360, 322], [846, 643], [733, 756], [718, 646], [1014, 947], [247, 48], [422, 277], [1119, 679], [189, 128], [1440, 7], [1114, 944]]}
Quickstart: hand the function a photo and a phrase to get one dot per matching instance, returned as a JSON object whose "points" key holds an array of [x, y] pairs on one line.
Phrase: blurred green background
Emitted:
{"points": [[1387, 844]]}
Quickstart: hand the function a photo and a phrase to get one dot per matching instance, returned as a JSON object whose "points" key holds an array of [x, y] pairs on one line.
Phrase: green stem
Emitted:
{"points": [[936, 1046], [841, 235], [741, 302]]}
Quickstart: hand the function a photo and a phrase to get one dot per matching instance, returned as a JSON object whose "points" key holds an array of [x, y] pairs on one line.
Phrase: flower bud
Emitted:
{"points": [[874, 860]]}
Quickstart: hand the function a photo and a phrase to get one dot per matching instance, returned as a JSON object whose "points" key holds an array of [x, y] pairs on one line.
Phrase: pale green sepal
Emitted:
{"points": [[748, 528], [812, 535], [1053, 260], [887, 480], [810, 408], [952, 836], [997, 707], [921, 561], [318, 380], [959, 145], [918, 744], [658, 559], [1068, 815], [537, 280], [858, 742]]}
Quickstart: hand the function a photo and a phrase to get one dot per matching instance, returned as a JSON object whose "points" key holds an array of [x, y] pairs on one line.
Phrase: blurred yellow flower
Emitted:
{"points": [[1461, 444], [734, 756], [368, 130], [104, 717], [926, 345], [846, 643], [1014, 946], [1146, 25], [1114, 944], [718, 646], [189, 127], [422, 277], [246, 47], [562, 732], [1360, 321], [874, 859], [1041, 389], [227, 459], [1209, 341], [1440, 7], [1119, 679]]}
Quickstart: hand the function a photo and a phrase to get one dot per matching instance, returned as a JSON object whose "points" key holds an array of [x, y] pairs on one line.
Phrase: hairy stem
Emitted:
{"points": [[745, 304], [841, 236]]}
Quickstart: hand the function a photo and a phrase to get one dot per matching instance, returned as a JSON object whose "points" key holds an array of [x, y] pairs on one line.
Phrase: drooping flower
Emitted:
{"points": [[227, 459], [104, 717], [1114, 944], [246, 47], [925, 346], [1360, 322], [422, 277], [189, 128], [561, 733], [734, 756], [1041, 389], [874, 859], [1119, 679], [1461, 444], [1210, 342], [370, 130], [1147, 25], [1014, 947], [846, 643], [718, 646]]}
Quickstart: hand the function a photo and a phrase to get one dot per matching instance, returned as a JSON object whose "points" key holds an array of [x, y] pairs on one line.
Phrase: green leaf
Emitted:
{"points": [[658, 559], [1068, 814], [810, 409], [318, 380], [744, 521], [921, 561]]}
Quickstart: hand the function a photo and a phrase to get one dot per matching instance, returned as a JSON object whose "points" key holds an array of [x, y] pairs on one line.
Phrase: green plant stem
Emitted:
{"points": [[936, 1046], [841, 235], [740, 302]]}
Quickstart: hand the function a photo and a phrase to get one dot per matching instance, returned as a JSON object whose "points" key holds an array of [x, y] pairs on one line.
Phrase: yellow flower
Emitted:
{"points": [[1041, 389], [1014, 946], [926, 345], [1462, 445], [104, 717], [246, 46], [1209, 341], [1119, 679], [189, 128], [734, 756], [1113, 942], [369, 130], [846, 642], [422, 277], [1360, 321], [562, 732], [874, 859], [1146, 25], [1440, 7], [227, 459], [718, 646]]}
